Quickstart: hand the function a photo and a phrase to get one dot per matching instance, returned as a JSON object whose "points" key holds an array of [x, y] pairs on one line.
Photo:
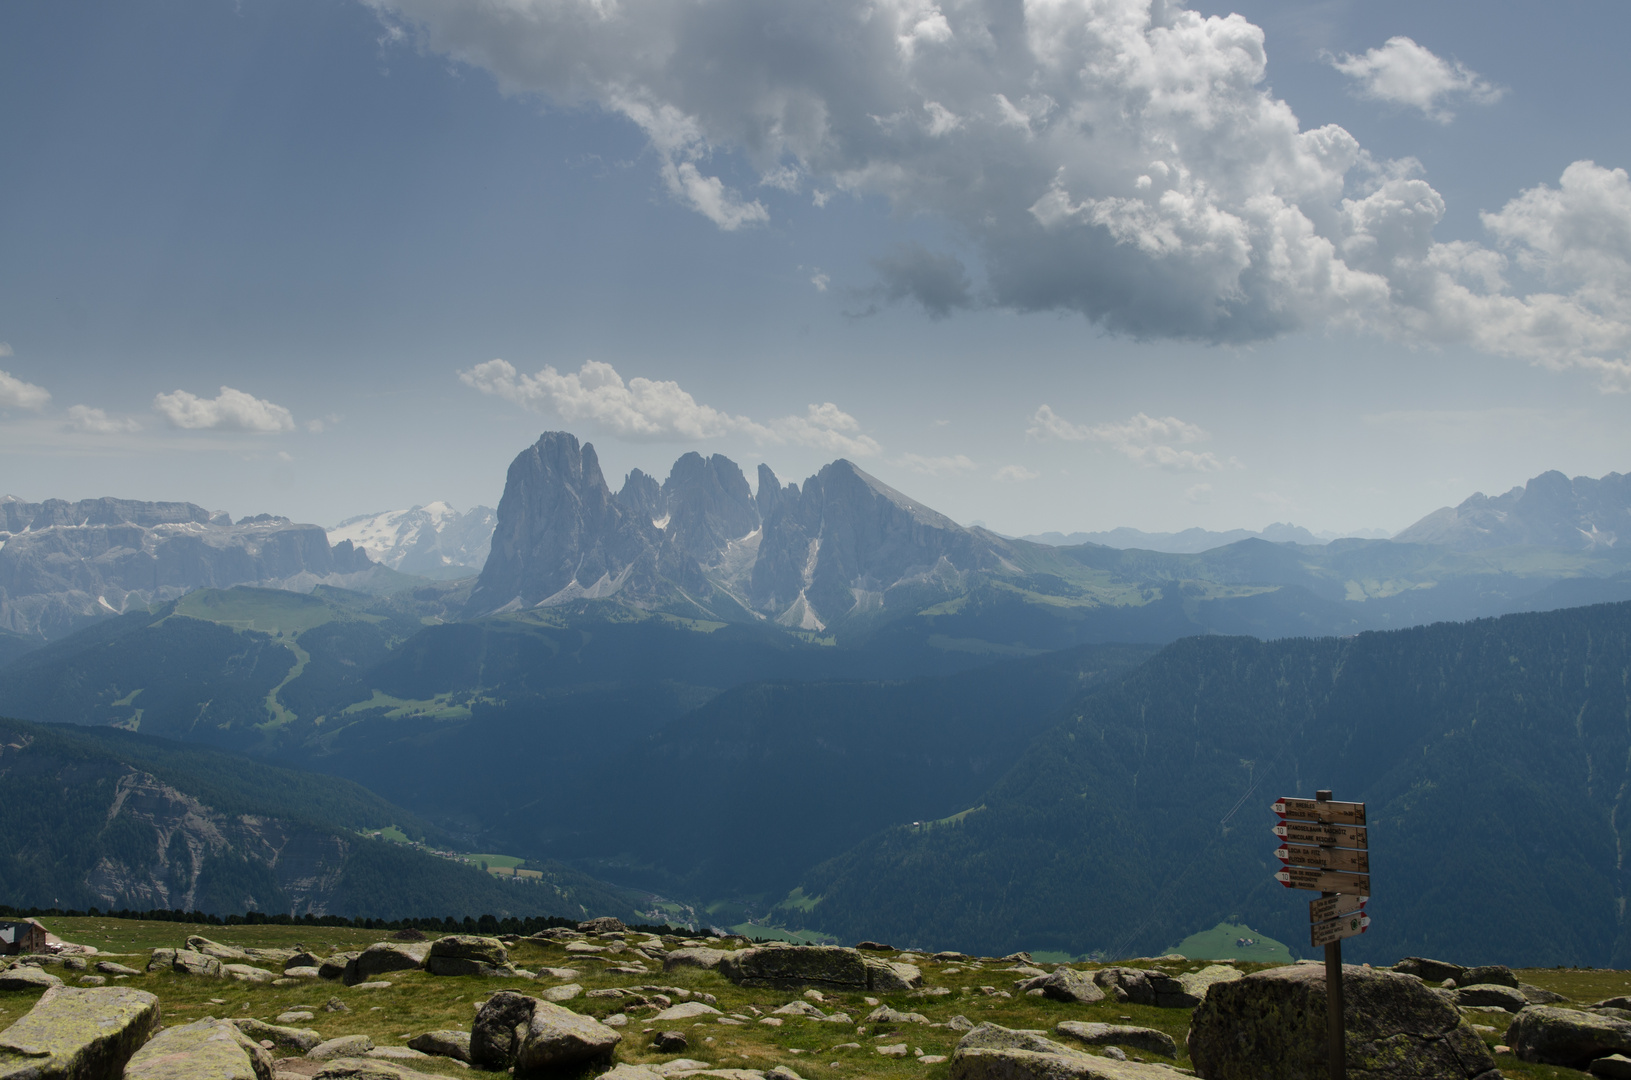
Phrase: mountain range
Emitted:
{"points": [[1550, 511], [1195, 541], [434, 540], [64, 565]]}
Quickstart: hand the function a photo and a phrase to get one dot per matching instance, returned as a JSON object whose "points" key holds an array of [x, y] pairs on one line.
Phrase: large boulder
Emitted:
{"points": [[74, 1034], [1139, 1038], [1272, 1024], [450, 1044], [1547, 1035], [247, 973], [532, 1036], [701, 958], [828, 967], [185, 962], [223, 953], [207, 1049], [23, 977], [1065, 984], [334, 967], [292, 1039], [558, 1039], [346, 1046], [606, 924], [990, 1052], [1488, 975], [1140, 986], [1491, 996], [467, 954], [1197, 983], [384, 956]]}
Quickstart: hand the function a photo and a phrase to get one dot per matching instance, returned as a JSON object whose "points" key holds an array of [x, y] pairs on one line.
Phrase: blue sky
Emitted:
{"points": [[1071, 267]]}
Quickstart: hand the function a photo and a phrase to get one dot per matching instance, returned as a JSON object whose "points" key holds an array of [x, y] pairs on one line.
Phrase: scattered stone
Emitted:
{"points": [[293, 1039], [375, 985], [396, 1053], [1488, 975], [559, 973], [990, 1052], [74, 1034], [603, 925], [1537, 996], [1065, 984], [185, 961], [565, 992], [771, 1021], [685, 1011], [108, 967], [246, 973], [343, 1047], [670, 1042], [1613, 1067], [334, 1004], [883, 1014], [616, 1020], [1272, 1024], [448, 1044], [700, 958], [93, 980], [1491, 995], [893, 1050], [207, 1049], [408, 934], [1139, 1038], [1432, 971], [1547, 1035], [782, 1072], [825, 966], [27, 978], [800, 1008], [1115, 1052], [931, 1059], [292, 973], [960, 1023], [214, 948], [334, 967]]}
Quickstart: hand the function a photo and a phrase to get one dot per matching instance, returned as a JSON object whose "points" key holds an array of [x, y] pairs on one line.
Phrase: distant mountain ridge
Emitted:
{"points": [[702, 543], [66, 564], [1187, 542], [1549, 511], [433, 540]]}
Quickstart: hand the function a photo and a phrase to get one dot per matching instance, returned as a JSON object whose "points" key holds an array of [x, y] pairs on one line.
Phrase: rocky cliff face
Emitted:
{"points": [[703, 538], [64, 564], [1550, 511]]}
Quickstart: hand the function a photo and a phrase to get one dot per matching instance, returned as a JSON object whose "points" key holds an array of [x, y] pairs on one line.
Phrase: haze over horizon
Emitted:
{"points": [[1063, 269]]}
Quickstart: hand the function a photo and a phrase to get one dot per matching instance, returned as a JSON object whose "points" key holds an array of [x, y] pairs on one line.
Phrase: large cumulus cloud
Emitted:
{"points": [[1118, 158]]}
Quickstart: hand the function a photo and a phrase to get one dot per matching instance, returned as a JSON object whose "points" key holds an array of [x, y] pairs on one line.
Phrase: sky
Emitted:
{"points": [[1051, 265]]}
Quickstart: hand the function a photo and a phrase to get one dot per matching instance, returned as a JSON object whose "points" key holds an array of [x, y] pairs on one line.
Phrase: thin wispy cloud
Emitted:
{"points": [[94, 421], [651, 410], [1402, 72], [949, 465], [1158, 441]]}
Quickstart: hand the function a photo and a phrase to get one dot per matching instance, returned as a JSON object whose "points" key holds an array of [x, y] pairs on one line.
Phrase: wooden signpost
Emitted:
{"points": [[1326, 847]]}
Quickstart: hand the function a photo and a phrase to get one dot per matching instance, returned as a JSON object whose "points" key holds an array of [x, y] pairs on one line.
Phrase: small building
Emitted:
{"points": [[22, 938]]}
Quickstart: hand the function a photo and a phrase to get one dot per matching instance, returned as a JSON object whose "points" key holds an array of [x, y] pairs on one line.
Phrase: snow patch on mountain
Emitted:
{"points": [[433, 540]]}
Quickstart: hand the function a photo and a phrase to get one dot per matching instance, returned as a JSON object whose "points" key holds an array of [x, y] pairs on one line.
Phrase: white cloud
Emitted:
{"points": [[1149, 179], [5, 350], [17, 394], [230, 410], [1405, 73], [953, 465], [1148, 440], [1015, 474], [1199, 493], [820, 281], [95, 421], [648, 410]]}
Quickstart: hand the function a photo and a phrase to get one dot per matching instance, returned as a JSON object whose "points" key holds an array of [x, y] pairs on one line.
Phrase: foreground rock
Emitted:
{"points": [[1139, 1038], [451, 1044], [382, 957], [1548, 1035], [467, 954], [73, 1034], [535, 1036], [1065, 984], [207, 1049], [1139, 986], [820, 966], [346, 1046], [27, 978], [293, 1039], [990, 1052], [1272, 1025]]}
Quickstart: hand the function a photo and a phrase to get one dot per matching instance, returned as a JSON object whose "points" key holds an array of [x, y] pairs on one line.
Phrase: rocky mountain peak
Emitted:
{"points": [[1551, 510], [709, 505]]}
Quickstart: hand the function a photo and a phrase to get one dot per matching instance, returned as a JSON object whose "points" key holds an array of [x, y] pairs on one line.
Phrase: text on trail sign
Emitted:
{"points": [[1312, 832], [1328, 858], [1333, 930], [1327, 908], [1333, 813], [1297, 877]]}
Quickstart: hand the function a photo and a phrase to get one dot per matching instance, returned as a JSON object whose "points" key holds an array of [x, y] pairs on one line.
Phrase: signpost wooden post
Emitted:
{"points": [[1326, 847]]}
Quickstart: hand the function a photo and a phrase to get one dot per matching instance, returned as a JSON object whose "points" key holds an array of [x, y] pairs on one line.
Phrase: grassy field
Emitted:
{"points": [[416, 1002], [1220, 943]]}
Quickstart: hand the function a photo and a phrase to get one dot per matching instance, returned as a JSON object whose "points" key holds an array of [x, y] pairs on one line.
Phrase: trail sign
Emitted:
{"points": [[1296, 877], [1327, 908], [1312, 832], [1334, 930], [1328, 858], [1332, 813]]}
